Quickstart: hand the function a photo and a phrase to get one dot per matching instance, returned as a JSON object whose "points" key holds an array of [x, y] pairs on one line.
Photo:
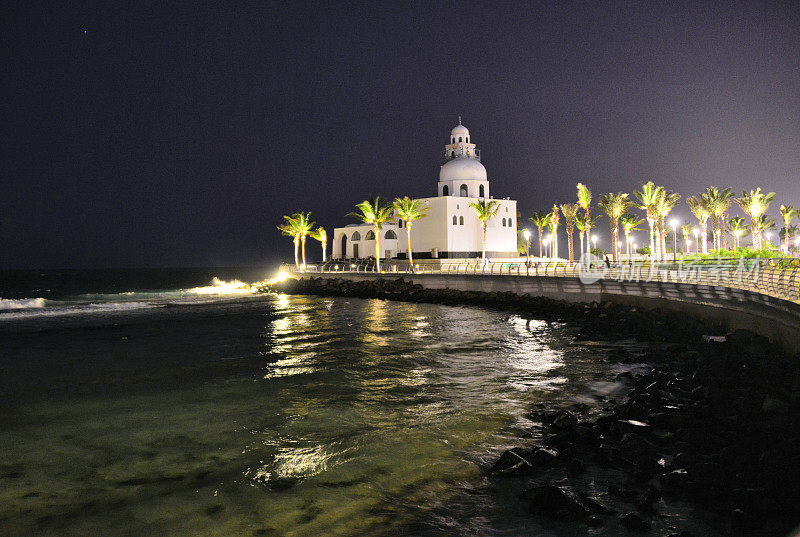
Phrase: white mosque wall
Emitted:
{"points": [[359, 246]]}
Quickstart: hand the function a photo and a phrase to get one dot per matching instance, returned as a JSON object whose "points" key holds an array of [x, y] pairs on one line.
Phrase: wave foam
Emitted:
{"points": [[7, 304]]}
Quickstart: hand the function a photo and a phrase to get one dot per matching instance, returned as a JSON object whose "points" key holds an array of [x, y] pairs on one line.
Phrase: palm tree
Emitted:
{"points": [[738, 229], [615, 206], [717, 201], [304, 227], [409, 210], [668, 202], [540, 219], [755, 203], [377, 212], [570, 211], [585, 201], [788, 213], [485, 210], [649, 199], [765, 223], [291, 228], [686, 230], [629, 224], [322, 236], [700, 209], [791, 231], [553, 227]]}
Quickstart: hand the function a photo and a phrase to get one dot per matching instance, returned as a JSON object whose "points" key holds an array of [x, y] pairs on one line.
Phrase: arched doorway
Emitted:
{"points": [[445, 191], [464, 192], [481, 192], [344, 245]]}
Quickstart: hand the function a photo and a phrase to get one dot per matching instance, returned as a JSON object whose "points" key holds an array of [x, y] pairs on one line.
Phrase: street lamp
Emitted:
{"points": [[674, 224], [696, 232], [547, 246], [527, 235], [594, 241]]}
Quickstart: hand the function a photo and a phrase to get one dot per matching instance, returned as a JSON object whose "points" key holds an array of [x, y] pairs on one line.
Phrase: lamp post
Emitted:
{"points": [[594, 242], [527, 235], [674, 224], [696, 232], [633, 247], [547, 246]]}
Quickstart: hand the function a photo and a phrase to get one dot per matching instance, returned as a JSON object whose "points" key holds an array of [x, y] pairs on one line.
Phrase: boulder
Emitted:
{"points": [[554, 502], [634, 522]]}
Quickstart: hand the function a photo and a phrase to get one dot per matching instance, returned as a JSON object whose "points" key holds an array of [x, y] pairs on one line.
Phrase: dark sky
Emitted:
{"points": [[177, 135]]}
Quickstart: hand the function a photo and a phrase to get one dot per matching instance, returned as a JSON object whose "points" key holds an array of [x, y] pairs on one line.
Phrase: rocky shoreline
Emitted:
{"points": [[714, 424]]}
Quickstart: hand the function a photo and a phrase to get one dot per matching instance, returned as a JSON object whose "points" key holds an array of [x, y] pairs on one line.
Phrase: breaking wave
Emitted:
{"points": [[94, 303], [7, 304]]}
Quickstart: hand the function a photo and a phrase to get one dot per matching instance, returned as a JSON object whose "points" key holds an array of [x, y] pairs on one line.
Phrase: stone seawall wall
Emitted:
{"points": [[776, 319]]}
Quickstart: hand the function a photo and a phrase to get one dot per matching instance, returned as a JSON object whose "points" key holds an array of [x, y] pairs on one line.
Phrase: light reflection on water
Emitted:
{"points": [[356, 417]]}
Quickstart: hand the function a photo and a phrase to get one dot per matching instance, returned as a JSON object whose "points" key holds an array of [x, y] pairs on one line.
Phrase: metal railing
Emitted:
{"points": [[776, 277]]}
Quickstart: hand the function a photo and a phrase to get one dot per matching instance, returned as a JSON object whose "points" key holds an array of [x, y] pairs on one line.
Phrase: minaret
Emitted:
{"points": [[462, 173], [459, 145]]}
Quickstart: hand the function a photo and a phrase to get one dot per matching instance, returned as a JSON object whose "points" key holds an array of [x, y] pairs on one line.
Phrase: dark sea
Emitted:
{"points": [[176, 402]]}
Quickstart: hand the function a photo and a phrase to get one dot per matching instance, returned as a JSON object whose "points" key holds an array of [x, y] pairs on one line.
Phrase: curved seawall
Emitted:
{"points": [[774, 318]]}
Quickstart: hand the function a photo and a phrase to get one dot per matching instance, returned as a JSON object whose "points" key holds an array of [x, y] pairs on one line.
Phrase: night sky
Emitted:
{"points": [[177, 135]]}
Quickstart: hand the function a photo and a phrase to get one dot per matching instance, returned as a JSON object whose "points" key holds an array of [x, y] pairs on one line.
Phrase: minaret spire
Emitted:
{"points": [[459, 120]]}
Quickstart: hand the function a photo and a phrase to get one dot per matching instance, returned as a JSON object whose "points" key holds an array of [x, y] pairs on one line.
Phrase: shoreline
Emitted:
{"points": [[714, 424]]}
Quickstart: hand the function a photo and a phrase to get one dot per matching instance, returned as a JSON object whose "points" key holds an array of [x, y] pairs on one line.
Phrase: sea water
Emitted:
{"points": [[203, 410]]}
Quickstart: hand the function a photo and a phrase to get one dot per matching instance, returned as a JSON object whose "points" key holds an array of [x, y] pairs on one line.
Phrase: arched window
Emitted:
{"points": [[481, 192], [467, 139], [454, 139], [390, 235], [370, 236], [459, 138], [452, 154], [445, 191], [356, 236], [461, 220], [464, 193], [455, 220], [504, 222], [399, 224]]}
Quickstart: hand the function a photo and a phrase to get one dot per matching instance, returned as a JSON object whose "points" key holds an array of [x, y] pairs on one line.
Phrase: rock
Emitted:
{"points": [[634, 522], [676, 480], [554, 502], [512, 462], [774, 406], [594, 522], [636, 449]]}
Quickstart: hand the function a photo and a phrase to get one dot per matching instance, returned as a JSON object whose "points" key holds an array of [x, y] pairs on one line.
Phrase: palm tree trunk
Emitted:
{"points": [[483, 244], [651, 225], [569, 244], [378, 249], [555, 243], [704, 234], [580, 236], [614, 237], [324, 248], [296, 242], [540, 242], [303, 248], [408, 238]]}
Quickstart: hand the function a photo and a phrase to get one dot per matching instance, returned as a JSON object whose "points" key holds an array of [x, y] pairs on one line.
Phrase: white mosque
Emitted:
{"points": [[451, 228]]}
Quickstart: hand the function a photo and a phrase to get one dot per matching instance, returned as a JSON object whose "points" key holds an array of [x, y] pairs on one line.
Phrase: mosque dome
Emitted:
{"points": [[462, 168], [459, 130]]}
